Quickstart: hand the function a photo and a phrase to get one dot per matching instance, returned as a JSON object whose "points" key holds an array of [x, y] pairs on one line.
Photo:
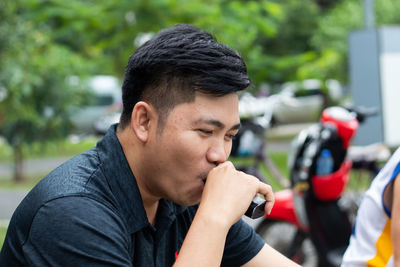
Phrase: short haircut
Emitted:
{"points": [[178, 61]]}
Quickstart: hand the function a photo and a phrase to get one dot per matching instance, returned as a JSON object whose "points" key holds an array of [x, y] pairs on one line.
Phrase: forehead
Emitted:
{"points": [[208, 108]]}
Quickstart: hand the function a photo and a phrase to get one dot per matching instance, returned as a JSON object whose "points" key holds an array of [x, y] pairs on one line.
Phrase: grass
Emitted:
{"points": [[65, 148], [279, 159], [68, 147], [359, 180], [3, 230], [30, 181]]}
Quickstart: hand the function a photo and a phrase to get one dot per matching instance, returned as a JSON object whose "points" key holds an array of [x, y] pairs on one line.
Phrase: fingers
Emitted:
{"points": [[241, 186], [261, 187], [268, 193], [264, 189], [226, 164]]}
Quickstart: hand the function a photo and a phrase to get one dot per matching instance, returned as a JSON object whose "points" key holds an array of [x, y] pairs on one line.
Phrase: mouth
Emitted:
{"points": [[203, 176]]}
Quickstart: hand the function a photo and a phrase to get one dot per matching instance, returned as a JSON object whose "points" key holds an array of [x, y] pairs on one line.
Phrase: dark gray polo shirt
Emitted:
{"points": [[89, 212]]}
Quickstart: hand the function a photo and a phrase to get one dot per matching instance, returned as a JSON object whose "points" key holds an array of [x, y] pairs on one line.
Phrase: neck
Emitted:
{"points": [[131, 150], [151, 211]]}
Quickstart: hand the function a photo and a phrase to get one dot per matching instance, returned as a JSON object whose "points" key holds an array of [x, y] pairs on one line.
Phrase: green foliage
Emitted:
{"points": [[31, 179], [330, 38], [3, 231], [278, 158], [34, 77], [59, 148], [34, 73], [43, 42], [257, 29], [281, 40]]}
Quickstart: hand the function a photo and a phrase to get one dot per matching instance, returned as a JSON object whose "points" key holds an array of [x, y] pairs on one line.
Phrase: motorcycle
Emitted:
{"points": [[311, 221], [308, 222]]}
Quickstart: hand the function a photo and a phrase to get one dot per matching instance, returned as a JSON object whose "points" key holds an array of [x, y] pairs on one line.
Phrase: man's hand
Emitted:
{"points": [[226, 197], [228, 194]]}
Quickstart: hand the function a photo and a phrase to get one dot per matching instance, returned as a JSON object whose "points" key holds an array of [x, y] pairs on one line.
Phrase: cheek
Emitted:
{"points": [[228, 148], [188, 148], [186, 157]]}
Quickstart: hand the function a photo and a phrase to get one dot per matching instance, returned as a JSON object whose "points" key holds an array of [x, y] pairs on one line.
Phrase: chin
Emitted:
{"points": [[189, 197], [190, 200]]}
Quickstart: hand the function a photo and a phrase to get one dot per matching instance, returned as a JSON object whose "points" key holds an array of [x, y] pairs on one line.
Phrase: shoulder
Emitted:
{"points": [[81, 213], [75, 227], [69, 179], [76, 206]]}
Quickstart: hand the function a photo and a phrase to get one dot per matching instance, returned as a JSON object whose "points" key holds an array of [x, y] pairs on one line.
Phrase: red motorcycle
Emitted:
{"points": [[311, 222]]}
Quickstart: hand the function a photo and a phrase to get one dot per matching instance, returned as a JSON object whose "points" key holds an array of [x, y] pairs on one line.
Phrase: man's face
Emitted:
{"points": [[196, 137]]}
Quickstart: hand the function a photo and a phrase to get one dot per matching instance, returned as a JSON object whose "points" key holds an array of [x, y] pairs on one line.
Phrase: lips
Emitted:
{"points": [[203, 176]]}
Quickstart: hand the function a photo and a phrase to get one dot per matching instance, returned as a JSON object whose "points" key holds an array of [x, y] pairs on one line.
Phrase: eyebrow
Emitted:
{"points": [[218, 124]]}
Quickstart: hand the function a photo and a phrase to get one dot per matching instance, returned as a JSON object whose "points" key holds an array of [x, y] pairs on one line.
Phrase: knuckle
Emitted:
{"points": [[229, 164]]}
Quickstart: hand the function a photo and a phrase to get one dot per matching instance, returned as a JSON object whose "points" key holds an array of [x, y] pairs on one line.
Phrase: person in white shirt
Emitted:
{"points": [[376, 236]]}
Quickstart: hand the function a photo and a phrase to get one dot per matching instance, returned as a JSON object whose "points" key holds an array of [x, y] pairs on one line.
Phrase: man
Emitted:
{"points": [[376, 236], [132, 200]]}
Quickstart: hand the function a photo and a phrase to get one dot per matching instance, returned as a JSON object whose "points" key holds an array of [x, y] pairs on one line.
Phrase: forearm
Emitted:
{"points": [[268, 256], [204, 242]]}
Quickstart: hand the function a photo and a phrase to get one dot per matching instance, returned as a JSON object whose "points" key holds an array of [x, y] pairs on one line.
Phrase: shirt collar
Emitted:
{"points": [[123, 184]]}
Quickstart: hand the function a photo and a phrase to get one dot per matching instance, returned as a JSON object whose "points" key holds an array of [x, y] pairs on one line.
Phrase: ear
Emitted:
{"points": [[142, 119]]}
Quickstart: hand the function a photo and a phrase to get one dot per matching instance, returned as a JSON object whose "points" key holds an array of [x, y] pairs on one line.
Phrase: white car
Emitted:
{"points": [[103, 123], [106, 101], [297, 102]]}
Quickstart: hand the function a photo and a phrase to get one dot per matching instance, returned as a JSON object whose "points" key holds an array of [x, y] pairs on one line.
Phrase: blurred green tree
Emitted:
{"points": [[43, 42], [34, 78], [329, 40], [272, 35]]}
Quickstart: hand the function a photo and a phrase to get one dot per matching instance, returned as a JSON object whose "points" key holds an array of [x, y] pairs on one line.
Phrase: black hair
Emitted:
{"points": [[178, 61]]}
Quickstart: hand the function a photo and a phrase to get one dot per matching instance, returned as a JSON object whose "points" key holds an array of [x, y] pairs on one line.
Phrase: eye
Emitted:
{"points": [[231, 136], [205, 132]]}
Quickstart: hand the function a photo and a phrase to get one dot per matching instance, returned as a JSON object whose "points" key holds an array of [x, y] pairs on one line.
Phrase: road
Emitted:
{"points": [[9, 199], [32, 166]]}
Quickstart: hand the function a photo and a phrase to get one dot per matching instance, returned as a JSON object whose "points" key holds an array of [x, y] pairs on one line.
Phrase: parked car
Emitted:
{"points": [[105, 100], [295, 103], [102, 124]]}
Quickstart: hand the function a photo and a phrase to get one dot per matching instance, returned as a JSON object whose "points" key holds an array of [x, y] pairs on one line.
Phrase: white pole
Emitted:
{"points": [[369, 14]]}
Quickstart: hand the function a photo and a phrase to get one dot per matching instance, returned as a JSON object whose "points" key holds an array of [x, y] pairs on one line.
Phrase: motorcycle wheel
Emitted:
{"points": [[281, 236]]}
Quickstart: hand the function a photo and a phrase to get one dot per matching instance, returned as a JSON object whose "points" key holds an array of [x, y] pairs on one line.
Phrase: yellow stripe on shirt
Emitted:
{"points": [[384, 248]]}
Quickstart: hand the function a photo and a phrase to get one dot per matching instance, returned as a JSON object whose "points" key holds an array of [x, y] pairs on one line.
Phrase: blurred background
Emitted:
{"points": [[62, 63]]}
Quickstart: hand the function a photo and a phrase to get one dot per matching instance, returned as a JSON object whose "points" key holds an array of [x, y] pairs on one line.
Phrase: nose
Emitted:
{"points": [[218, 153]]}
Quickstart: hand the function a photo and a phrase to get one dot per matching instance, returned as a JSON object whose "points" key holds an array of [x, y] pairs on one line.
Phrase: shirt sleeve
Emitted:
{"points": [[242, 244], [77, 231]]}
